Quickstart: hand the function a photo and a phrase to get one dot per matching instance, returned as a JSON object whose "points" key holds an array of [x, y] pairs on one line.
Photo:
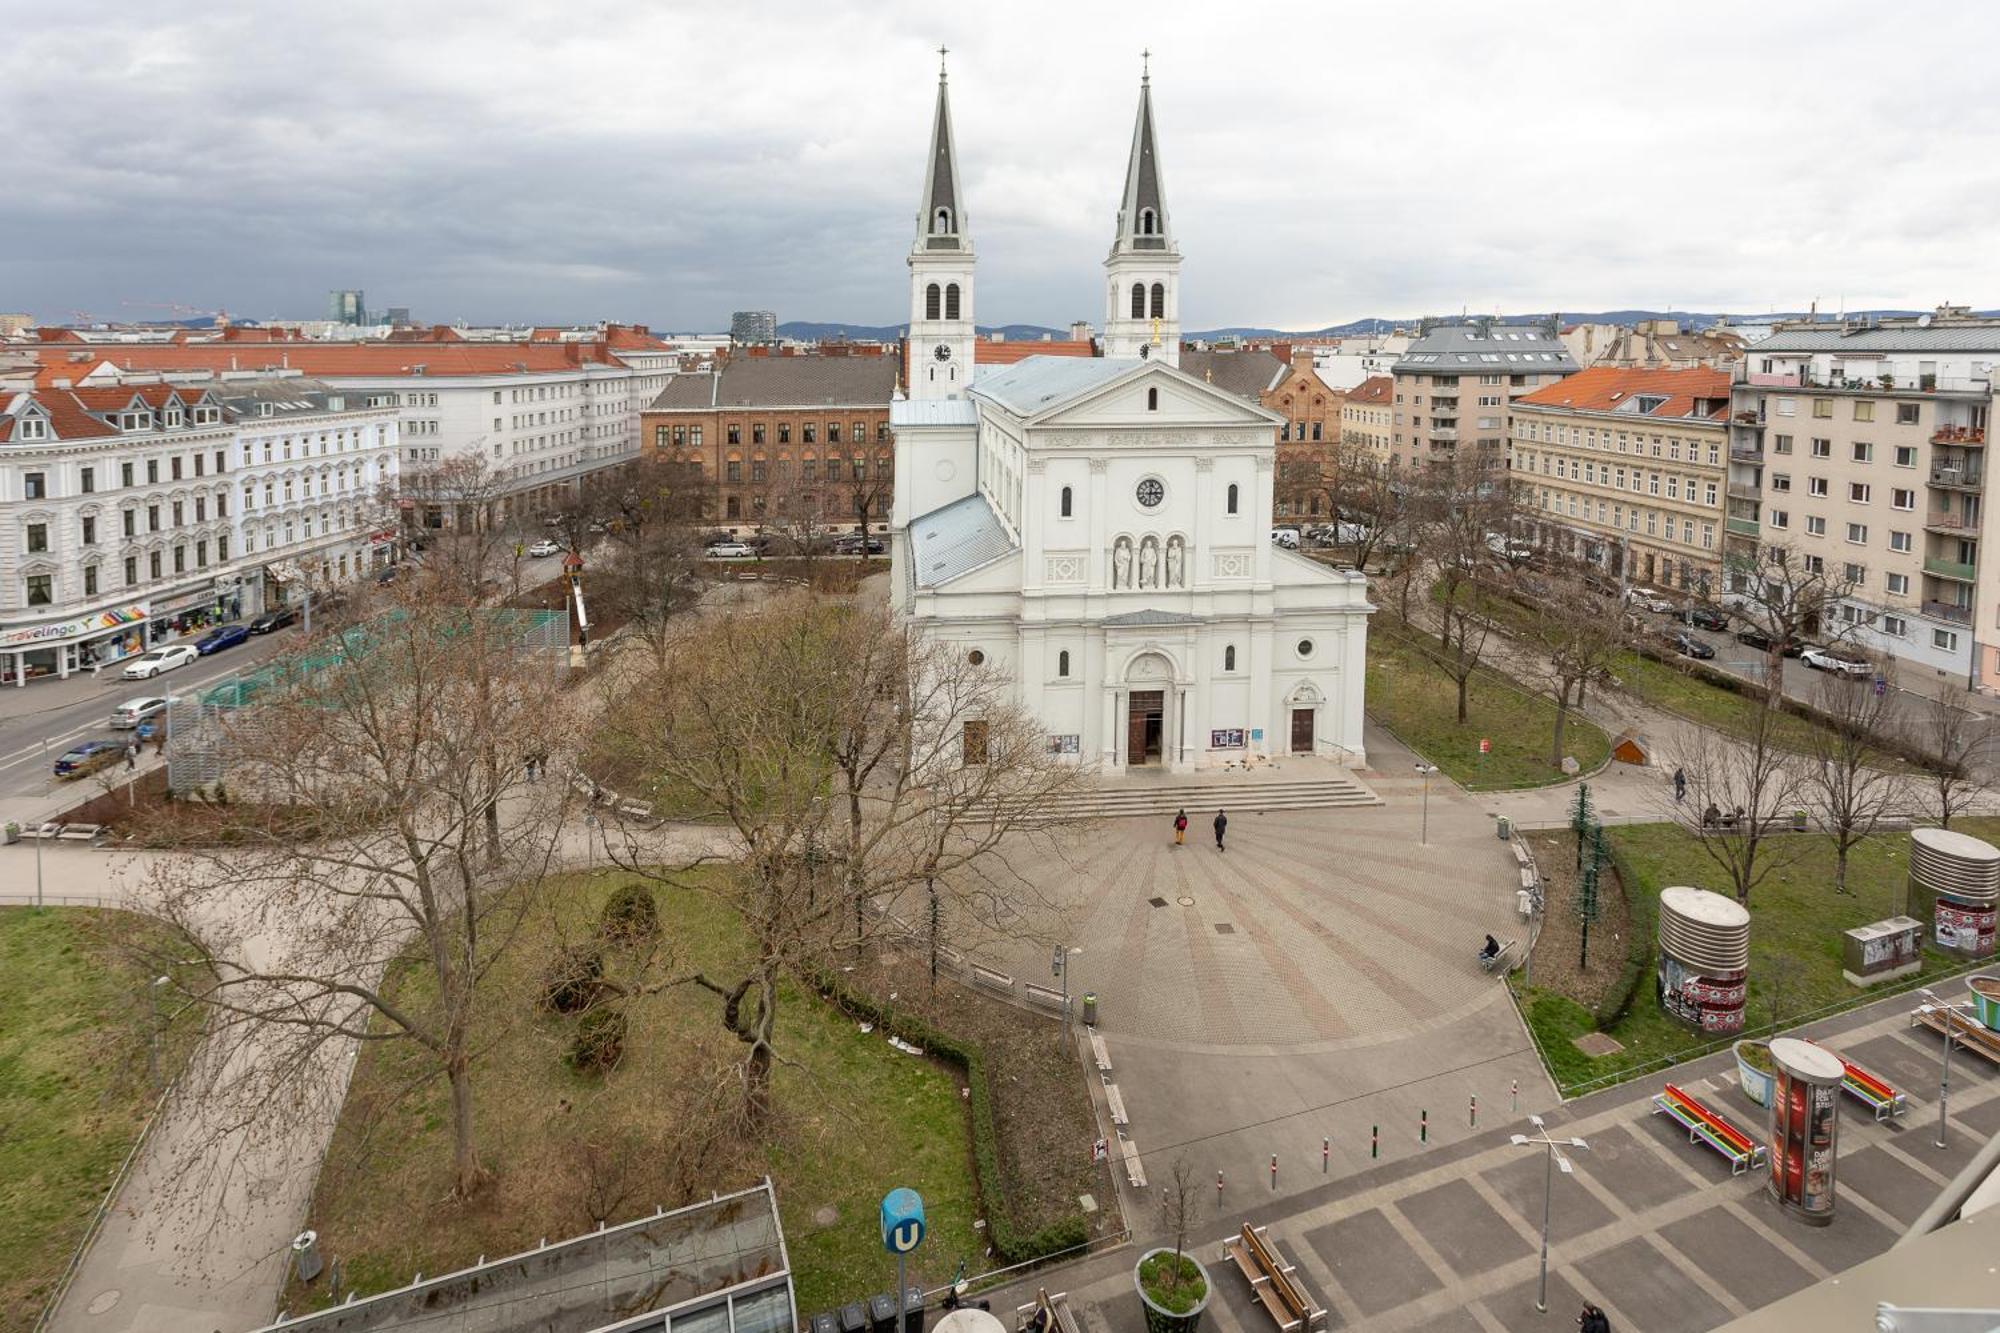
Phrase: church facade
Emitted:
{"points": [[1099, 528]]}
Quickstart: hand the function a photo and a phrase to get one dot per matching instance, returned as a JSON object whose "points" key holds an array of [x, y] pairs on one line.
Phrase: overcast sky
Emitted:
{"points": [[666, 163]]}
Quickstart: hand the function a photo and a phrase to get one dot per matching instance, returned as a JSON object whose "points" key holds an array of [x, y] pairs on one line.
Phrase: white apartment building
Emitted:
{"points": [[1862, 447], [134, 512]]}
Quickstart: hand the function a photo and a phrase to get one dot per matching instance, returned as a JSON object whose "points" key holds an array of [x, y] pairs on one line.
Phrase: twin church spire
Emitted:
{"points": [[1142, 313]]}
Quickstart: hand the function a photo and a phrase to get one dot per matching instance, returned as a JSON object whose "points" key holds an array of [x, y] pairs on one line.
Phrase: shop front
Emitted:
{"points": [[215, 603], [59, 648]]}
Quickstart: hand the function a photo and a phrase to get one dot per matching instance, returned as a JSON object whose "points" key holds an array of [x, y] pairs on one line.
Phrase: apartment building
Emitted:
{"points": [[1365, 416], [1862, 446], [134, 511], [1653, 344], [1455, 382], [1626, 469]]}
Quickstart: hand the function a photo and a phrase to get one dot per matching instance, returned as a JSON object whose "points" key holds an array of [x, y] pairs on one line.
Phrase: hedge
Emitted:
{"points": [[1003, 1229], [1641, 927]]}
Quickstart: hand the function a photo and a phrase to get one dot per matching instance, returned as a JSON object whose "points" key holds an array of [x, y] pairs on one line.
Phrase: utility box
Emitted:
{"points": [[1882, 950]]}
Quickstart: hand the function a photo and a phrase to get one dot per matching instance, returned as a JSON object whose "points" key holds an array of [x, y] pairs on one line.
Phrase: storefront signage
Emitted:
{"points": [[205, 593], [111, 618]]}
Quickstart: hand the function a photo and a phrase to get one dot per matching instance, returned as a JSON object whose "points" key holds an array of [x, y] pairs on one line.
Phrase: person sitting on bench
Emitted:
{"points": [[1492, 949]]}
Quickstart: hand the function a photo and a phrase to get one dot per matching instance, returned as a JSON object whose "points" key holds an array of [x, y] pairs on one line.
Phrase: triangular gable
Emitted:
{"points": [[1183, 401]]}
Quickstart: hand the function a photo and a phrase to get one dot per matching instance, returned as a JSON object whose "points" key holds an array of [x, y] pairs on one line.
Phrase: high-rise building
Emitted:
{"points": [[399, 315], [754, 328], [347, 307]]}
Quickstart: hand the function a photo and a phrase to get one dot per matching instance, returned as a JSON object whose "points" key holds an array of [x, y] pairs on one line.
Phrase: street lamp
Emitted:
{"points": [[1950, 1013], [1555, 1159], [153, 1046], [1426, 770]]}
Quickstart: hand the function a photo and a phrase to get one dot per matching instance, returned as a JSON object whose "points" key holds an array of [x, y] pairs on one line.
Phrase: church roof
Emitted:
{"points": [[1037, 383], [941, 188], [1149, 616], [1143, 187], [957, 539], [1246, 374]]}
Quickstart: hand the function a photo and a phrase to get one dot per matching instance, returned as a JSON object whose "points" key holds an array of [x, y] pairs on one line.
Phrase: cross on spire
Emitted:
{"points": [[943, 51], [1146, 66]]}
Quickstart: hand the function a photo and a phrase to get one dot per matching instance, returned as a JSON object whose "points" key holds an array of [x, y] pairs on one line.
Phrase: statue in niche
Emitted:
{"points": [[1121, 563], [1176, 563], [1149, 563]]}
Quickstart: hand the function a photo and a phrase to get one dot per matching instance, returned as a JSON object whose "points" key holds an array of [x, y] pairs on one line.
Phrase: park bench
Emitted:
{"points": [[1883, 1101], [1711, 1127], [81, 832], [1116, 1101], [1134, 1172], [1037, 994], [1273, 1282], [1046, 1314], [1099, 1053], [987, 977]]}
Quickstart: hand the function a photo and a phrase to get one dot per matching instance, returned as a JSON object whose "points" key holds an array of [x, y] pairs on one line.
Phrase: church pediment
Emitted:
{"points": [[1156, 397], [1148, 618]]}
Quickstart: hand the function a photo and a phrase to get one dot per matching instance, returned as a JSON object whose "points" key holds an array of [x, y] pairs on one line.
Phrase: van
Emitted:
{"points": [[1286, 537]]}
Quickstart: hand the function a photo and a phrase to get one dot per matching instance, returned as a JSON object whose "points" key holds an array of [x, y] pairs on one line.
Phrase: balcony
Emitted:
{"points": [[1444, 433], [1743, 527], [1948, 569], [1746, 418], [1963, 435], [1738, 491], [1746, 453], [1954, 525], [1958, 478], [1948, 611]]}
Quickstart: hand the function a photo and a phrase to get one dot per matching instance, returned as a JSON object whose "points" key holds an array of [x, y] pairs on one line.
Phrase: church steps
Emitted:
{"points": [[1201, 799]]}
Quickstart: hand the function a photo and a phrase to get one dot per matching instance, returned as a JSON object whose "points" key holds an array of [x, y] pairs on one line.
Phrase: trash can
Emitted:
{"points": [[913, 1309], [823, 1322], [305, 1246], [1090, 1008], [1504, 827], [882, 1311], [853, 1317]]}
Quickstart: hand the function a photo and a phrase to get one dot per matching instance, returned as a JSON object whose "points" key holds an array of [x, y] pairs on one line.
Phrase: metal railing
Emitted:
{"points": [[1956, 614], [1949, 569]]}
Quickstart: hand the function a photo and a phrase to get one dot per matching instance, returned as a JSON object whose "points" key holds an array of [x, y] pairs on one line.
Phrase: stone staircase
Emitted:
{"points": [[1201, 797]]}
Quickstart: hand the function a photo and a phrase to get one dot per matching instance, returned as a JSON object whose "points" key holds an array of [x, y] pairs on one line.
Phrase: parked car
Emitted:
{"points": [[222, 636], [1650, 598], [1825, 659], [134, 711], [545, 547], [1752, 636], [854, 545], [274, 619], [1687, 645], [79, 760], [1286, 537], [728, 550], [148, 665], [1702, 617]]}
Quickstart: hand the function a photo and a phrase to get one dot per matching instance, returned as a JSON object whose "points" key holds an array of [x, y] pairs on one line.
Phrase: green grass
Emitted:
{"points": [[1796, 920], [853, 1119], [74, 1027], [1415, 699]]}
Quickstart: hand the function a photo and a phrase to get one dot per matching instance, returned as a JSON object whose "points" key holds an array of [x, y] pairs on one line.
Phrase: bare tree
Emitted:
{"points": [[1953, 736], [370, 888], [1576, 632], [1846, 776], [1789, 598], [1462, 509], [1742, 790], [452, 509]]}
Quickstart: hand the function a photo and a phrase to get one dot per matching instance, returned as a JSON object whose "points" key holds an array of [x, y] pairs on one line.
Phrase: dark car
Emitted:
{"points": [[222, 636], [1702, 617], [1750, 636], [88, 757], [274, 620], [1687, 645]]}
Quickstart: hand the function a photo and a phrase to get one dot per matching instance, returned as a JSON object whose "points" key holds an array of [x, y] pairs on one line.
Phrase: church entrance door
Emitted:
{"points": [[1302, 731], [1145, 734]]}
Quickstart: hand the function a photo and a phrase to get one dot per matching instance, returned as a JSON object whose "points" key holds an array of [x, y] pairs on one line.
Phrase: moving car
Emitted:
{"points": [[134, 711], [545, 547], [1702, 617], [728, 550], [222, 636], [88, 757], [274, 619], [1687, 645], [1825, 659], [148, 665]]}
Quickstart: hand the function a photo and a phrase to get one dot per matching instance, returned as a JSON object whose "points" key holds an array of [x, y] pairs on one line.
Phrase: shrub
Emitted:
{"points": [[631, 916], [574, 981], [599, 1043]]}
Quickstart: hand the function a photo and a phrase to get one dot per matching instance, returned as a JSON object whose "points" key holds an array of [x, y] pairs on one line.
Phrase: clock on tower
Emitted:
{"points": [[942, 352]]}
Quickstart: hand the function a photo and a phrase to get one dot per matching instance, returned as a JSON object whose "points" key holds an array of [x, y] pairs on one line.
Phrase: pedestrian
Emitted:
{"points": [[1180, 828], [132, 756], [1680, 785], [1592, 1320], [1221, 826]]}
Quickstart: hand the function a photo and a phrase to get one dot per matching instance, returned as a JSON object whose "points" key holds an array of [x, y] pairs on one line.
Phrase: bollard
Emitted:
{"points": [[1374, 1141], [1423, 1126], [1325, 1152], [1274, 1170], [1517, 1095], [1218, 1187], [1472, 1115]]}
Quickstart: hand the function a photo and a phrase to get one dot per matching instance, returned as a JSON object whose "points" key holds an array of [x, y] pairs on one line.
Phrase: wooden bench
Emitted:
{"points": [[1116, 1102], [1046, 1314], [986, 976], [1520, 855], [1528, 878], [1100, 1053], [1883, 1101], [1133, 1171], [1273, 1282], [1711, 1127], [1037, 994]]}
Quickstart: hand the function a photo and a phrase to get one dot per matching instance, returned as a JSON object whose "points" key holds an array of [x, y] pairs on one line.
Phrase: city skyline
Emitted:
{"points": [[636, 166]]}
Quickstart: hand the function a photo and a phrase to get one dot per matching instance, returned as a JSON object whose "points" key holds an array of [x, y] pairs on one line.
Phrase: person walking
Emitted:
{"points": [[1592, 1320], [1221, 827], [131, 755], [1180, 828], [1680, 785]]}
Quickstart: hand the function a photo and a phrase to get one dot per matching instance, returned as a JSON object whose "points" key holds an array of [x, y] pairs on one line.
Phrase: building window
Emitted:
{"points": [[1815, 526], [222, 547], [90, 580], [1822, 448], [1903, 499], [1906, 455], [1229, 658], [1062, 663], [125, 474], [1065, 503], [1823, 407], [1857, 534], [41, 589], [1159, 300], [1816, 486], [808, 434], [1899, 541], [757, 432], [1864, 410], [181, 556], [833, 432], [1894, 626], [1304, 648], [201, 555], [153, 563], [951, 301], [1781, 444], [1945, 640], [756, 469], [1906, 414], [1864, 452], [809, 470], [1898, 584], [694, 437], [1857, 492], [976, 657], [1229, 499], [933, 301], [34, 486], [38, 538], [733, 470], [1152, 400], [735, 433], [1777, 518], [1138, 300], [1856, 575], [89, 480]]}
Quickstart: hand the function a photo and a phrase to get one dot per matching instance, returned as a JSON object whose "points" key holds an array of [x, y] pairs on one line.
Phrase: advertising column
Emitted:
{"points": [[1805, 1121]]}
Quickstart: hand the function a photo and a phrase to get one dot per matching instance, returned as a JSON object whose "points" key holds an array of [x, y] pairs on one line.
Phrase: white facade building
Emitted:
{"points": [[130, 513], [1099, 528]]}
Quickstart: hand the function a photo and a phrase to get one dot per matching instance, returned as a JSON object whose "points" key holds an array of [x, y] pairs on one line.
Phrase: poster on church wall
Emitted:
{"points": [[1065, 744], [1227, 738]]}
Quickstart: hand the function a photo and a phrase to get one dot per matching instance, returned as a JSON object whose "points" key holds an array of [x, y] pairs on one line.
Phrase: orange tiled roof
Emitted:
{"points": [[329, 360], [1373, 390], [1007, 353], [1609, 388]]}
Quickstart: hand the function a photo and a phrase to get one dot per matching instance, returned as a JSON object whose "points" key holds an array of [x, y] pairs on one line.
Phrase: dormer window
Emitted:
{"points": [[31, 428], [129, 421], [206, 416], [1149, 222], [941, 222], [264, 409], [173, 416]]}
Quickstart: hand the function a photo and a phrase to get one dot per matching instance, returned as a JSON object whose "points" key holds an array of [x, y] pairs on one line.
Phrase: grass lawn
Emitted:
{"points": [[75, 1023], [1415, 699], [854, 1118], [1796, 920]]}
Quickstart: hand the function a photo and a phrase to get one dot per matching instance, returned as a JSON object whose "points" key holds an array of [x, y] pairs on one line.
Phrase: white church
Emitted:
{"points": [[1099, 528]]}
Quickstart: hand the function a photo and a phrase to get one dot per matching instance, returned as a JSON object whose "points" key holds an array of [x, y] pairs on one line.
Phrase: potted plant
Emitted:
{"points": [[10, 833], [1172, 1284], [1754, 1071], [1798, 821]]}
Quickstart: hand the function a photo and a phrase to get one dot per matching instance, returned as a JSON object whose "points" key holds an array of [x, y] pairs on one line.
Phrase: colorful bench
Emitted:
{"points": [[1881, 1099], [1711, 1127], [1273, 1282]]}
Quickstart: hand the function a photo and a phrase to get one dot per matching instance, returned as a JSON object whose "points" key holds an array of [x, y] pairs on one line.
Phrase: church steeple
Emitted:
{"points": [[942, 331], [1143, 313]]}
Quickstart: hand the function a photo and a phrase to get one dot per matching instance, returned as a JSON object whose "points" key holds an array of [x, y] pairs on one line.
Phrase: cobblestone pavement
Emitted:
{"points": [[1651, 1228]]}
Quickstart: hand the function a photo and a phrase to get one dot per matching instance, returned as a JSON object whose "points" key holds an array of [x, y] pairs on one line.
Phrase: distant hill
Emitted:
{"points": [[812, 331]]}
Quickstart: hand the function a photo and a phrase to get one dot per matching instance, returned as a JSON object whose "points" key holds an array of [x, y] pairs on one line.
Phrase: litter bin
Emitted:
{"points": [[1090, 1008], [853, 1317], [913, 1309], [882, 1311], [305, 1249], [1504, 827], [824, 1322]]}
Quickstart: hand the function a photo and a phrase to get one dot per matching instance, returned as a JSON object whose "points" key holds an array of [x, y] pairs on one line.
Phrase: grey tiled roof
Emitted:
{"points": [[785, 381], [933, 412], [1246, 374], [957, 539], [1149, 616], [1945, 339], [1465, 349], [1036, 383]]}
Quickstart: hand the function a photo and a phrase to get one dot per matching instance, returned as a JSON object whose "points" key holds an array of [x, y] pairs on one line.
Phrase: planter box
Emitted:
{"points": [[1162, 1320], [1757, 1083]]}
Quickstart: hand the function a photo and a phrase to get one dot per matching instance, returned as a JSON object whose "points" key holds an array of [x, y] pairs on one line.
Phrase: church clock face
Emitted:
{"points": [[942, 352], [1151, 492]]}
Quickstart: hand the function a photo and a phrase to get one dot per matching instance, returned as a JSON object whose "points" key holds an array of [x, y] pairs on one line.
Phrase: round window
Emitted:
{"points": [[1305, 648], [976, 657], [1151, 492]]}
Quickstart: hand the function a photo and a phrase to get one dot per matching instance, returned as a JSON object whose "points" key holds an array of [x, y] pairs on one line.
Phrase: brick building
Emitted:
{"points": [[1281, 379]]}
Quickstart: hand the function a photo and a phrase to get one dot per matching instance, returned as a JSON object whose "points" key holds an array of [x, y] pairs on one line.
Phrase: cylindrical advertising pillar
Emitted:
{"points": [[1955, 887], [1704, 959], [1805, 1122]]}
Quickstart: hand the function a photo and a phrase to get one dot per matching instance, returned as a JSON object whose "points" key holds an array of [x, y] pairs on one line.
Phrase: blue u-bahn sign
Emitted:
{"points": [[902, 1221]]}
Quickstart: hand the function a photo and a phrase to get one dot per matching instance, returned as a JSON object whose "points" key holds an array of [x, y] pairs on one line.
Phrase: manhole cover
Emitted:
{"points": [[1224, 928], [1185, 901], [825, 1217], [103, 1301], [1598, 1043], [1157, 902]]}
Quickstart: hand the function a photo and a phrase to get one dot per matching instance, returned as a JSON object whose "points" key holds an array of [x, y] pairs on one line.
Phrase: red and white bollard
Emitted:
{"points": [[1472, 1114], [1218, 1187], [1325, 1153], [1274, 1170]]}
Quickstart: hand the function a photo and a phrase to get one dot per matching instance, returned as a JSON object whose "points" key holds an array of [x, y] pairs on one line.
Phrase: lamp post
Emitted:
{"points": [[1950, 1013], [1553, 1147], [1426, 770], [38, 833], [153, 1045]]}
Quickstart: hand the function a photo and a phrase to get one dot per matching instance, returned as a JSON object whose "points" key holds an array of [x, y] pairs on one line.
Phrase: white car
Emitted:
{"points": [[1651, 599], [728, 550], [151, 664], [1823, 659], [545, 547], [134, 711], [1286, 537]]}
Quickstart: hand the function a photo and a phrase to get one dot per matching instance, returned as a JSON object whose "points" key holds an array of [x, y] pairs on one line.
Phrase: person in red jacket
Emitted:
{"points": [[1180, 828]]}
